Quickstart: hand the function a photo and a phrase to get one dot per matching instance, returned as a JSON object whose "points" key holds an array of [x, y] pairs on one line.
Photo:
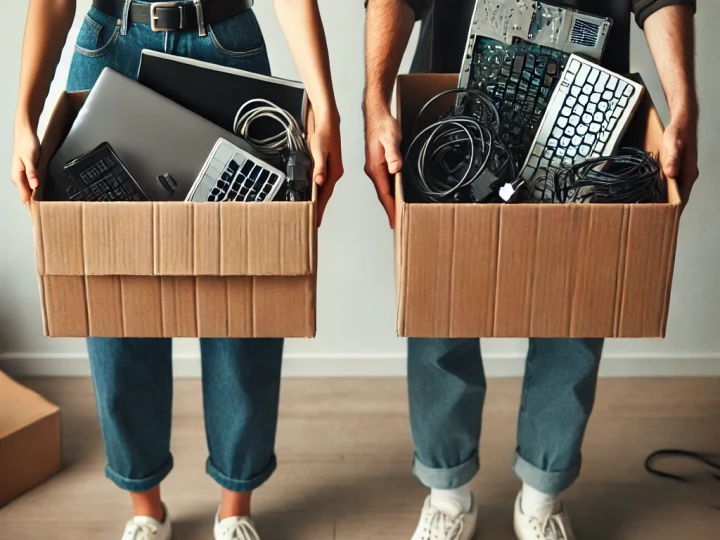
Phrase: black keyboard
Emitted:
{"points": [[100, 176], [520, 79]]}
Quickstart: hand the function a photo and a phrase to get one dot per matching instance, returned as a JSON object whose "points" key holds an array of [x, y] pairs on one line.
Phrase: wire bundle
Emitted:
{"points": [[632, 176], [448, 156], [289, 138]]}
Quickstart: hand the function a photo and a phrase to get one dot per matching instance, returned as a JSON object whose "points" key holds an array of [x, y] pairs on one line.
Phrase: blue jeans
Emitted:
{"points": [[446, 383], [133, 377]]}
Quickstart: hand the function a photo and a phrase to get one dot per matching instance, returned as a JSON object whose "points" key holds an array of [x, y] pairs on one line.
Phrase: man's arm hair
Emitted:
{"points": [[388, 25], [670, 33]]}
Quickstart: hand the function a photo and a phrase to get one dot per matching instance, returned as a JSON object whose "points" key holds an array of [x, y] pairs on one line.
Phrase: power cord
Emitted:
{"points": [[632, 176], [288, 144], [704, 459], [461, 157]]}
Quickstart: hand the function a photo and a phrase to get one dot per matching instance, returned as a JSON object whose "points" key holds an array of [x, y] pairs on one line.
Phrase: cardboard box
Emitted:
{"points": [[30, 441], [532, 270], [172, 269]]}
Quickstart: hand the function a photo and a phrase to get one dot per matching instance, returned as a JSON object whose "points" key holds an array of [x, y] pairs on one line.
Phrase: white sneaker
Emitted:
{"points": [[147, 528], [549, 522], [235, 528], [446, 523]]}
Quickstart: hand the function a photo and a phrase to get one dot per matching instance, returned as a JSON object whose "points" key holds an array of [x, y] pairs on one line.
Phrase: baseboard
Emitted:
{"points": [[379, 365]]}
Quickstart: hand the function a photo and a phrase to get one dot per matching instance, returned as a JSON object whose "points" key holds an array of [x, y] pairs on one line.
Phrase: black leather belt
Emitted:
{"points": [[174, 16]]}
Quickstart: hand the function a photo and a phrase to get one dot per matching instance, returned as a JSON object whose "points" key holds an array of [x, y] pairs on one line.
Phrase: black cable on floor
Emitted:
{"points": [[705, 459]]}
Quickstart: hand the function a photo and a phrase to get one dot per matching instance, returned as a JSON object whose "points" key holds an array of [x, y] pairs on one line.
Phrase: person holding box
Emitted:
{"points": [[133, 377], [445, 376]]}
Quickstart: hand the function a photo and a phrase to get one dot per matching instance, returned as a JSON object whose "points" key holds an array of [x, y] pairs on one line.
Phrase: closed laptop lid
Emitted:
{"points": [[151, 134]]}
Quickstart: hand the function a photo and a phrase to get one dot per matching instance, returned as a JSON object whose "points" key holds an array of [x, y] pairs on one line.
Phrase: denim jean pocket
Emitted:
{"points": [[98, 34], [238, 37]]}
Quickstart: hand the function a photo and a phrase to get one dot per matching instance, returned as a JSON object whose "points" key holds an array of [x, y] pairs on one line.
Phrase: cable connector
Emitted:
{"points": [[298, 171]]}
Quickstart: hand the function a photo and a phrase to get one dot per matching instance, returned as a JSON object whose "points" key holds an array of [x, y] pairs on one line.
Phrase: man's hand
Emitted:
{"points": [[382, 154], [26, 152], [327, 161], [679, 155]]}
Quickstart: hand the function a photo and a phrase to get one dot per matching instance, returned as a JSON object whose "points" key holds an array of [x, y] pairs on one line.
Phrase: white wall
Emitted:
{"points": [[356, 307]]}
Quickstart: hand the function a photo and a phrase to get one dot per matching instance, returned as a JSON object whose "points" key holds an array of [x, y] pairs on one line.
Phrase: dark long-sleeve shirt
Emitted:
{"points": [[446, 23]]}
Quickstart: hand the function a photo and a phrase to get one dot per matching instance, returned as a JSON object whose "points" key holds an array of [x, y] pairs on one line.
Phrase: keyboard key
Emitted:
{"points": [[562, 122], [557, 133], [607, 95], [612, 83], [605, 136], [587, 89], [565, 142], [584, 150], [623, 102], [599, 117], [575, 91], [620, 89], [595, 128], [533, 162], [572, 151], [590, 139], [595, 98], [566, 111], [571, 101], [612, 124], [573, 66], [582, 75], [552, 143], [570, 131], [578, 110], [574, 120], [593, 77], [602, 82], [629, 91], [591, 108], [603, 106], [584, 99], [587, 119], [577, 140]]}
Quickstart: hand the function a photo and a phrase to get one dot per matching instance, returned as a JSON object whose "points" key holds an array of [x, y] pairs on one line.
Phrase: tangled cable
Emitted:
{"points": [[289, 138], [450, 155], [631, 176]]}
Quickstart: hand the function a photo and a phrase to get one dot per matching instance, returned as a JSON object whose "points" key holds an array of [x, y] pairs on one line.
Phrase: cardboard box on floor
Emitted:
{"points": [[532, 270], [170, 269], [30, 441]]}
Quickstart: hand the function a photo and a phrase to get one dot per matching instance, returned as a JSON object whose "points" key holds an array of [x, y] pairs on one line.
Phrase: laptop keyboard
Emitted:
{"points": [[586, 118], [100, 176], [231, 174]]}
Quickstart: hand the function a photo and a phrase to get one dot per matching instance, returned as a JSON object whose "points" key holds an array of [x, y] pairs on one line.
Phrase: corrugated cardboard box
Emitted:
{"points": [[29, 440], [154, 269], [532, 270]]}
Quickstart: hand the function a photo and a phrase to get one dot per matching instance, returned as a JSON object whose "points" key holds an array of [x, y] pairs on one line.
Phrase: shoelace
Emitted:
{"points": [[440, 526], [242, 530], [552, 528], [139, 531]]}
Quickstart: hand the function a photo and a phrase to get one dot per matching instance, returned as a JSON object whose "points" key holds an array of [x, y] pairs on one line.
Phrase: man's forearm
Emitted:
{"points": [[388, 26], [670, 33]]}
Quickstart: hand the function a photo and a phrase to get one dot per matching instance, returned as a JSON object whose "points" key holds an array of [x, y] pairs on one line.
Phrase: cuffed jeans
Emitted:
{"points": [[446, 384], [134, 389], [133, 377]]}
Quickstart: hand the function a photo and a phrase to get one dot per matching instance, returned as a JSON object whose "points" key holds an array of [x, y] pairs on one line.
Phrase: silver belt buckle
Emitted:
{"points": [[154, 17]]}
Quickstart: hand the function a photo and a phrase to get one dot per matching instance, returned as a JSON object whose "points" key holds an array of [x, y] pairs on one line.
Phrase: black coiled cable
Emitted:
{"points": [[448, 156], [632, 176]]}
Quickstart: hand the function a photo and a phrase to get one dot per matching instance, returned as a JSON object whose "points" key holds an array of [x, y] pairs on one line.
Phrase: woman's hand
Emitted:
{"points": [[327, 160], [26, 152]]}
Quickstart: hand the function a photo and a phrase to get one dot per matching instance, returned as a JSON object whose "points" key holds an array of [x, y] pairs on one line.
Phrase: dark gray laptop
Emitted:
{"points": [[151, 135]]}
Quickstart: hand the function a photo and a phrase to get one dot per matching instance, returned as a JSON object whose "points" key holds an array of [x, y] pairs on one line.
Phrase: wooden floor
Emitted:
{"points": [[344, 448]]}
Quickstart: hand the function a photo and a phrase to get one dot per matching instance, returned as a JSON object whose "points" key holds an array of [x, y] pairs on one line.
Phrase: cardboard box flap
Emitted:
{"points": [[166, 238], [20, 407]]}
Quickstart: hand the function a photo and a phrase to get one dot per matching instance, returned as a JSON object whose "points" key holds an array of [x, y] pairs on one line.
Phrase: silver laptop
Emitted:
{"points": [[152, 135]]}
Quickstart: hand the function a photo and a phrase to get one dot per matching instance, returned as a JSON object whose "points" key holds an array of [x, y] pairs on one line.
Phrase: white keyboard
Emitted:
{"points": [[587, 117], [232, 174]]}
